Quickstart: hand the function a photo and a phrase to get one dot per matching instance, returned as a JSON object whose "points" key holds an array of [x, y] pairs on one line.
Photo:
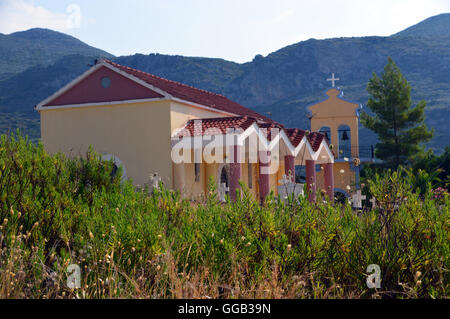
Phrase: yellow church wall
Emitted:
{"points": [[194, 190], [333, 113], [138, 134], [184, 179], [181, 113], [333, 107]]}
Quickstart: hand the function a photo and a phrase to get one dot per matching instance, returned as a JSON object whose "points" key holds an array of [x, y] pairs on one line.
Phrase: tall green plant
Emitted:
{"points": [[400, 126]]}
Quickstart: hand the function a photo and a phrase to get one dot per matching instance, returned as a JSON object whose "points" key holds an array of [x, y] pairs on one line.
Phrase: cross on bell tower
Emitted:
{"points": [[333, 79]]}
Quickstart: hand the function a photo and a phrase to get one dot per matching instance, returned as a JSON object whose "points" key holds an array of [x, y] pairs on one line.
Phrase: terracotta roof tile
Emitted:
{"points": [[216, 126], [295, 135], [192, 94], [315, 139]]}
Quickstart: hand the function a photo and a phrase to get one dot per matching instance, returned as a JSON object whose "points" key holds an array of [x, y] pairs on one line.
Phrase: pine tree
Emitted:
{"points": [[399, 125]]}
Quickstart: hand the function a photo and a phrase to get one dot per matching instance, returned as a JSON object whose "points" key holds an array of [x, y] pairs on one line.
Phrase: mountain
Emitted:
{"points": [[282, 84], [286, 81], [21, 92], [435, 26], [22, 50]]}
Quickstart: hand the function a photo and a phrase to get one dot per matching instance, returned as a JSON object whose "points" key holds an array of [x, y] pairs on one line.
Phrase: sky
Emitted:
{"points": [[234, 30]]}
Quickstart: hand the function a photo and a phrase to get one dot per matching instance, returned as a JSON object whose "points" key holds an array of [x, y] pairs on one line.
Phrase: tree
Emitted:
{"points": [[399, 125]]}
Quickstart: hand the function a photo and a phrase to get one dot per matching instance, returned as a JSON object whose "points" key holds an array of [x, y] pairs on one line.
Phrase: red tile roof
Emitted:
{"points": [[315, 139], [295, 135], [192, 94], [213, 126]]}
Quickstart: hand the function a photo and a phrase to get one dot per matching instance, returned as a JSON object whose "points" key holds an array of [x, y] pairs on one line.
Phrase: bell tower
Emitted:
{"points": [[338, 119]]}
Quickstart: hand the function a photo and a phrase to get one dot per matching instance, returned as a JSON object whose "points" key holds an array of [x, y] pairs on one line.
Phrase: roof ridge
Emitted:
{"points": [[164, 79]]}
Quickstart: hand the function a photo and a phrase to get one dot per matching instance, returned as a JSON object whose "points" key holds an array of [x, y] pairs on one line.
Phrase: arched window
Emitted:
{"points": [[117, 163], [325, 130], [345, 141]]}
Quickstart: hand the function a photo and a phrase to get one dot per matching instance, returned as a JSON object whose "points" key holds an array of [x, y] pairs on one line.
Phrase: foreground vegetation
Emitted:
{"points": [[55, 212]]}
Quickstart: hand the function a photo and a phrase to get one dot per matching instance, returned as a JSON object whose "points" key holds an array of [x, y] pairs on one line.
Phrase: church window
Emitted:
{"points": [[325, 130], [345, 143], [106, 82]]}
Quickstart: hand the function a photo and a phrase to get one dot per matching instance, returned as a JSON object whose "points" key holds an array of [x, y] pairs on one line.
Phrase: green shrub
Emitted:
{"points": [[56, 211]]}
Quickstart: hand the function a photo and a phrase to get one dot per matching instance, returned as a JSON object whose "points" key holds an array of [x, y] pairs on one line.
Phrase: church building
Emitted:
{"points": [[157, 128]]}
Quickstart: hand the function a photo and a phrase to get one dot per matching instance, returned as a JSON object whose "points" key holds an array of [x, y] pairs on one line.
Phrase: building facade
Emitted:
{"points": [[150, 125]]}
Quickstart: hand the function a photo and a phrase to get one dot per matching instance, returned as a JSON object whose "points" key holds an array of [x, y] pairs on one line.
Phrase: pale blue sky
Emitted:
{"points": [[235, 30]]}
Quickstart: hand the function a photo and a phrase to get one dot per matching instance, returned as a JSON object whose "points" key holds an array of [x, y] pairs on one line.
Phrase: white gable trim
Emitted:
{"points": [[324, 145], [68, 86], [268, 145], [300, 146], [72, 106], [287, 141]]}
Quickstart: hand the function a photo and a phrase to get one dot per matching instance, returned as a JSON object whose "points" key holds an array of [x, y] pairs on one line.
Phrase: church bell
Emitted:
{"points": [[345, 136]]}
